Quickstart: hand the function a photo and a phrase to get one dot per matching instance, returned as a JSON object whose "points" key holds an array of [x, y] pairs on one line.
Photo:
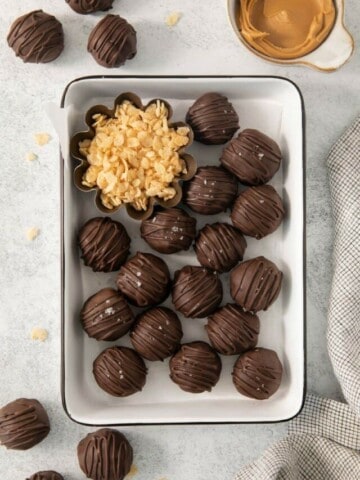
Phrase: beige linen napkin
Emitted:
{"points": [[324, 440]]}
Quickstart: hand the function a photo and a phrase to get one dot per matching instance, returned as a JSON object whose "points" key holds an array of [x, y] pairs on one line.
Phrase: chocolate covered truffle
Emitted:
{"points": [[36, 37], [257, 373], [144, 280], [252, 157], [46, 475], [195, 368], [232, 331], [90, 6], [104, 244], [196, 291], [105, 455], [258, 211], [106, 315], [23, 424], [212, 190], [219, 247], [112, 41], [120, 371], [213, 119], [157, 333], [255, 284], [169, 231]]}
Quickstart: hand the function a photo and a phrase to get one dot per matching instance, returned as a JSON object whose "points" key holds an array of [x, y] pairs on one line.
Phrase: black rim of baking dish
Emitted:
{"points": [[62, 247]]}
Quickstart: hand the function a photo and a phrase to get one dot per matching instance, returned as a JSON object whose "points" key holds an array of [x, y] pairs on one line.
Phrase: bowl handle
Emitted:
{"points": [[335, 50]]}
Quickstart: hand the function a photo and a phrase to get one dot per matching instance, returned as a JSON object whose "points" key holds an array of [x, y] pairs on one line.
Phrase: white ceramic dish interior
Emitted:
{"points": [[272, 105], [329, 56]]}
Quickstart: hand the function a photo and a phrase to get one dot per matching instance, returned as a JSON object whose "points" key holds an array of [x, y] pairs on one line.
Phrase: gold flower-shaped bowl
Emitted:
{"points": [[83, 164]]}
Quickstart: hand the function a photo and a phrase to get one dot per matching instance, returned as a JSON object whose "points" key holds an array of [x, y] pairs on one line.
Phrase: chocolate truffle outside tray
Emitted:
{"points": [[176, 261]]}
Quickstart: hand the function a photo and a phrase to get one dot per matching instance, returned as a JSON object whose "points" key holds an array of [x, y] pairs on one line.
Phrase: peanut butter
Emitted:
{"points": [[286, 29]]}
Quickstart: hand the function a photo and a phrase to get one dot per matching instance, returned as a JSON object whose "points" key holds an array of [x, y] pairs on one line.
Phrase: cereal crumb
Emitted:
{"points": [[39, 334], [173, 19], [32, 233], [42, 138], [30, 156], [134, 155], [133, 471]]}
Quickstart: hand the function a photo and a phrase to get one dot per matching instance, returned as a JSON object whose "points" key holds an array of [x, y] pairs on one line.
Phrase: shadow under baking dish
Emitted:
{"points": [[271, 104]]}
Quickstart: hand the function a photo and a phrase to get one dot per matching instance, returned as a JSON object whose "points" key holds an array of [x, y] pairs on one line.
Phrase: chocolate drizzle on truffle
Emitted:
{"points": [[232, 331], [196, 292], [120, 371], [169, 230], [112, 41], [219, 247], [212, 190], [46, 475], [144, 280], [257, 373], [36, 37], [23, 424], [104, 244], [213, 119], [195, 368], [252, 157], [90, 6], [258, 211], [106, 315], [255, 284], [157, 333], [105, 455]]}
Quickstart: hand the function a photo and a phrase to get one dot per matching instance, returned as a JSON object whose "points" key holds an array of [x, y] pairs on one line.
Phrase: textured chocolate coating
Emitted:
{"points": [[106, 315], [90, 6], [213, 119], [232, 331], [257, 373], [169, 231], [157, 333], [255, 284], [219, 247], [46, 475], [23, 424], [120, 371], [195, 368], [36, 37], [212, 190], [104, 244], [112, 41], [105, 455], [252, 157], [144, 280], [258, 211], [196, 291]]}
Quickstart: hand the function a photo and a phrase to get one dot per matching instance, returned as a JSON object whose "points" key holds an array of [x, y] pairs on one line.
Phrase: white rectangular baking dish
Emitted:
{"points": [[271, 104]]}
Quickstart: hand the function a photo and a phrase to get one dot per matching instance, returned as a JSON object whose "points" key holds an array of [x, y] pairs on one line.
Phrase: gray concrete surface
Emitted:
{"points": [[202, 43]]}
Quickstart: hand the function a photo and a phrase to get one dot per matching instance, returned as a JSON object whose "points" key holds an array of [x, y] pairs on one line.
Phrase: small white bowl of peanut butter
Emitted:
{"points": [[300, 32]]}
